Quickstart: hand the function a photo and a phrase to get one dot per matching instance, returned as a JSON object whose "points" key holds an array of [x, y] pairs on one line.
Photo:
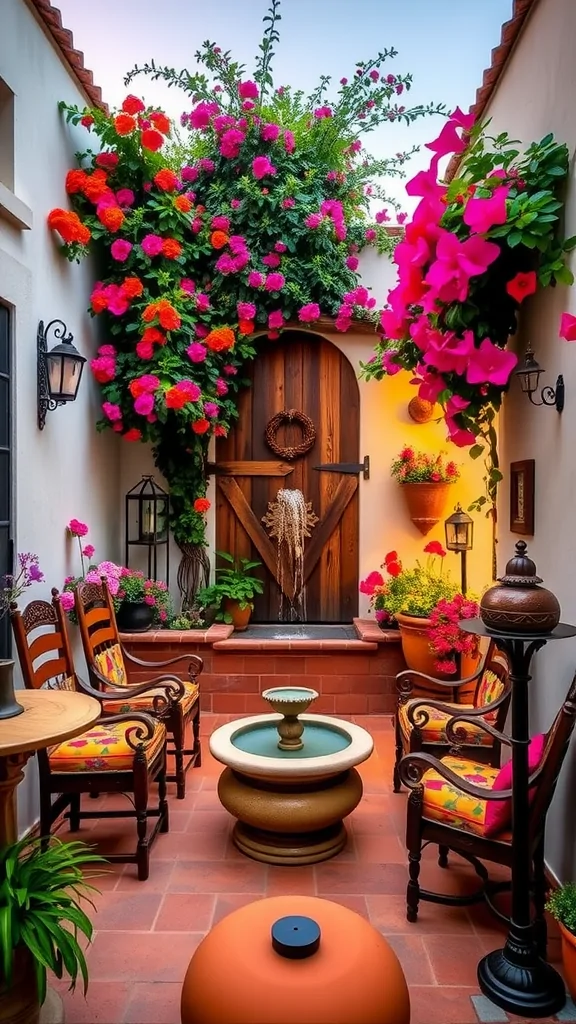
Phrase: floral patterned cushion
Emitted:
{"points": [[145, 701], [490, 688], [103, 749], [110, 664], [435, 730], [443, 802]]}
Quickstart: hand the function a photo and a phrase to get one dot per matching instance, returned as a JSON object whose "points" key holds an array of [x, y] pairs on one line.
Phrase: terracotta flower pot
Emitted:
{"points": [[417, 655], [20, 1002], [240, 616], [426, 503], [569, 958]]}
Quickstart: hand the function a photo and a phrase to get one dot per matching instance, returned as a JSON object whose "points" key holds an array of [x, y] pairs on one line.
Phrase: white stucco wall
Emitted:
{"points": [[68, 470], [385, 427], [534, 97]]}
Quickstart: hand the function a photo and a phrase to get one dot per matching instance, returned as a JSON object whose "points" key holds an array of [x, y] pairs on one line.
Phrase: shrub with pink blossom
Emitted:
{"points": [[447, 641]]}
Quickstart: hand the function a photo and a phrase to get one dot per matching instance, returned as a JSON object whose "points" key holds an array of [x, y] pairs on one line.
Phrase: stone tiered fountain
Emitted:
{"points": [[290, 778]]}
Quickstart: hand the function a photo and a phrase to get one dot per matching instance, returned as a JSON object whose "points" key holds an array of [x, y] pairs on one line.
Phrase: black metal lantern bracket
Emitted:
{"points": [[529, 376], [47, 399]]}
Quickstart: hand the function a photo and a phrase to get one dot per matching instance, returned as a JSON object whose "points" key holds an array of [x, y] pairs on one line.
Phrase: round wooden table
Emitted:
{"points": [[50, 716]]}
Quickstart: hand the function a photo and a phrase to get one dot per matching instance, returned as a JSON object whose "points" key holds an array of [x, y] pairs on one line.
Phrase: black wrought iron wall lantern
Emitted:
{"points": [[529, 376], [59, 370]]}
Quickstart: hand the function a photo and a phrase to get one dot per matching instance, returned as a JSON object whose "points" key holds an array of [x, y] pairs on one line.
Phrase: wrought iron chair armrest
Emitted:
{"points": [[405, 683], [173, 686], [134, 721], [413, 767], [195, 662], [417, 716], [456, 734]]}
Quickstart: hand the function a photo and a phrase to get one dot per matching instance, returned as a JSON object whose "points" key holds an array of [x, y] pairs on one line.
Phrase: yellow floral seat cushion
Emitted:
{"points": [[490, 688], [145, 701], [110, 664], [444, 803], [104, 749], [435, 729]]}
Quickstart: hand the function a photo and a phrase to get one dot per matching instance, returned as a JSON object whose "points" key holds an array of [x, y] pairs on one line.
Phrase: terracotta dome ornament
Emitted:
{"points": [[519, 604], [294, 960], [420, 410]]}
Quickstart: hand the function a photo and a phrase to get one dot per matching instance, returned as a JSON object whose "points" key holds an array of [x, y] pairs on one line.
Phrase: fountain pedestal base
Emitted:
{"points": [[283, 821], [289, 848]]}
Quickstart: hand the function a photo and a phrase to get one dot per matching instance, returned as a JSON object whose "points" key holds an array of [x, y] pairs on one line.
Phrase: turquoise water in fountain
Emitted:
{"points": [[290, 693], [318, 739]]}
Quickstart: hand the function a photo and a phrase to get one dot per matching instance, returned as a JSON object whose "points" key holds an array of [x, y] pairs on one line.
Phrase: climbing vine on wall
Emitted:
{"points": [[247, 218]]}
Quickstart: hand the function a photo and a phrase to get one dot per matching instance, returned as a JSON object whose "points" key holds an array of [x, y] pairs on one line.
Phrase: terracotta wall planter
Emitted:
{"points": [[569, 959], [417, 654], [426, 503]]}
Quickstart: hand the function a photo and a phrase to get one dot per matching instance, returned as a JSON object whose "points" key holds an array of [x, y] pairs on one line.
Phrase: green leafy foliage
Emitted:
{"points": [[562, 905], [235, 582], [40, 908]]}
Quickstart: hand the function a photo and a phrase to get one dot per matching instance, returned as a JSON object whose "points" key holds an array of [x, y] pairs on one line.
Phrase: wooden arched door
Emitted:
{"points": [[307, 373]]}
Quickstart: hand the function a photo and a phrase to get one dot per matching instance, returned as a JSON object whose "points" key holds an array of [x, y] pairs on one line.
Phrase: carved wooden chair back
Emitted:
{"points": [[43, 645], [99, 633]]}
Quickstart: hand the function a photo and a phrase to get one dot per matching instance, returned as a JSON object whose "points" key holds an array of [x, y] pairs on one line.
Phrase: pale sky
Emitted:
{"points": [[445, 44]]}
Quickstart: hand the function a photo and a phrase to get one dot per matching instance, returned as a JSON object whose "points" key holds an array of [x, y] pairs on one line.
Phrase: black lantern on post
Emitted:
{"points": [[459, 529], [59, 370], [529, 376], [147, 507]]}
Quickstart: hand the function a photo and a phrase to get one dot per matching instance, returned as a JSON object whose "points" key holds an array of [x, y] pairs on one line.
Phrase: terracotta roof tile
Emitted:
{"points": [[52, 19], [509, 36]]}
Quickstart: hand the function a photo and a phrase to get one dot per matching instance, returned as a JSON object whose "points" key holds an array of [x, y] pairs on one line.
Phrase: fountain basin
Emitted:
{"points": [[290, 804]]}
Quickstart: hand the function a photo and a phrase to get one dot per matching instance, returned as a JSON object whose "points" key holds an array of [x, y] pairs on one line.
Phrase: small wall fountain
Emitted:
{"points": [[290, 702], [289, 520]]}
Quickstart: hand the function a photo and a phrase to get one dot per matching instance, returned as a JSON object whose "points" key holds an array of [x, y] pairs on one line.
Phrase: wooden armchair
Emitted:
{"points": [[448, 803], [106, 659], [420, 722], [121, 753]]}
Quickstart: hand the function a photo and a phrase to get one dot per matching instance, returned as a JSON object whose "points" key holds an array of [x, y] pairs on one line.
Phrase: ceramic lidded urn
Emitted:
{"points": [[518, 604]]}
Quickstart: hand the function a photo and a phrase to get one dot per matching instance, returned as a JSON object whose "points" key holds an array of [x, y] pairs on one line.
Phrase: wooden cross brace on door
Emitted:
{"points": [[226, 471]]}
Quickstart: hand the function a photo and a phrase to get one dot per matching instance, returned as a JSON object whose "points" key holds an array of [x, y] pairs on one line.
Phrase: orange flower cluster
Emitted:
{"points": [[220, 339], [183, 204], [69, 226], [163, 310], [166, 180], [132, 288], [111, 217], [218, 239], [201, 505], [201, 426], [246, 326], [152, 336], [124, 124], [171, 249], [160, 122]]}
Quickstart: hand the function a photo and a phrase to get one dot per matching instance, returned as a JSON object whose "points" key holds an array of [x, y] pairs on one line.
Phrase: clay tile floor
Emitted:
{"points": [[146, 932]]}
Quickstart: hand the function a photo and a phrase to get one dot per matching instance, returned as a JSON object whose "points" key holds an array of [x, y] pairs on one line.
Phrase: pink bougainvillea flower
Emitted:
{"points": [[269, 132], [288, 203], [125, 197], [220, 223], [448, 141], [202, 304], [274, 282], [482, 214], [112, 412], [255, 279], [275, 320], [313, 220], [352, 262], [187, 285], [289, 141], [459, 436], [225, 264], [308, 313], [120, 249], [144, 404], [456, 404], [117, 301], [322, 112], [430, 384], [567, 327], [373, 580], [448, 353], [202, 114], [248, 90], [144, 349], [271, 260], [261, 167], [456, 262], [231, 143], [388, 363], [522, 285], [280, 246], [211, 410], [490, 364], [425, 183], [196, 352], [222, 122], [246, 310], [393, 326], [76, 528], [151, 245], [465, 121]]}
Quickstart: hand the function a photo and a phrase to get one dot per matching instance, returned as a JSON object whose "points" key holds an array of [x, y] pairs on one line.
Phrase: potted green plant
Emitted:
{"points": [[410, 597], [234, 591], [140, 602], [562, 905], [40, 920], [425, 481]]}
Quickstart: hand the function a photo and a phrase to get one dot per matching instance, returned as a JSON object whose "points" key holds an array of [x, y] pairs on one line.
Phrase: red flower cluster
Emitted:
{"points": [[392, 563], [446, 639]]}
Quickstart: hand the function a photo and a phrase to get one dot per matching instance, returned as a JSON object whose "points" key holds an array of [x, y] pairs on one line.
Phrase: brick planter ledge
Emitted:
{"points": [[351, 676]]}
